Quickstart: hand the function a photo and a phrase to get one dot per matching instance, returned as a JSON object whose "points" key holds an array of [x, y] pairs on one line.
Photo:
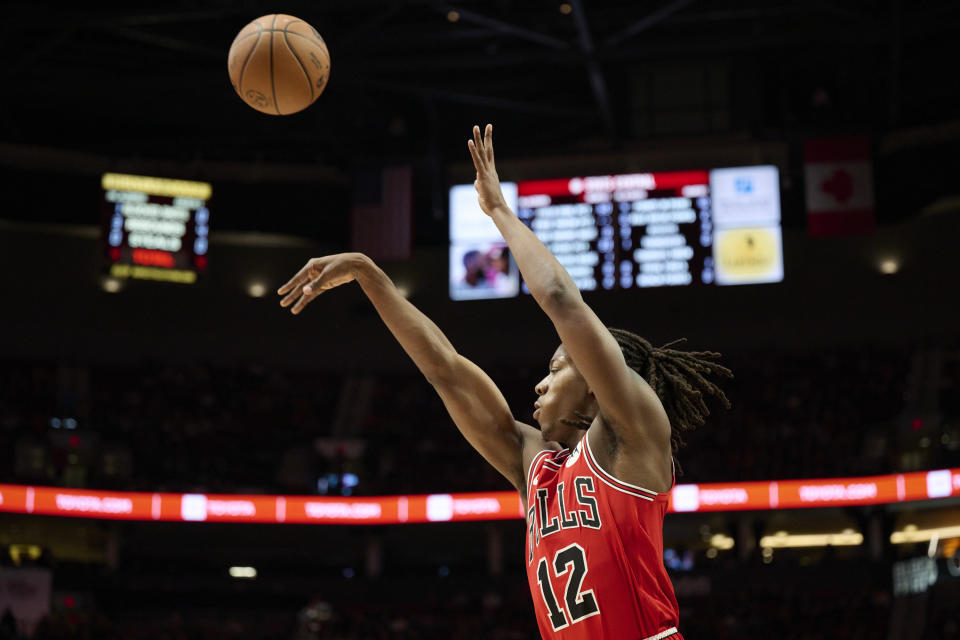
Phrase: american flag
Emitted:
{"points": [[380, 217]]}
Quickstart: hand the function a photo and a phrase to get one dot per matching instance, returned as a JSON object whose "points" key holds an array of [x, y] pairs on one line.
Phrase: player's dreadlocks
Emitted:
{"points": [[680, 379]]}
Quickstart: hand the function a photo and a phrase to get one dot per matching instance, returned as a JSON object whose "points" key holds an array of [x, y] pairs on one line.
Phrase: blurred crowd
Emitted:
{"points": [[804, 416], [795, 603], [256, 429]]}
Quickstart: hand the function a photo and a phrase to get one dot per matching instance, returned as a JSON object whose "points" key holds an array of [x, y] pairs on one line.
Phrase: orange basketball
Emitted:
{"points": [[278, 64]]}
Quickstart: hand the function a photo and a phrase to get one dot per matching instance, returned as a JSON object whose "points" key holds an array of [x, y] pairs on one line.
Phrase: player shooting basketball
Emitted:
{"points": [[595, 478]]}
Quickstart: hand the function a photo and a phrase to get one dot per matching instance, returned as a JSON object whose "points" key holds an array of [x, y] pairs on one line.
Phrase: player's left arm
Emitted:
{"points": [[628, 405]]}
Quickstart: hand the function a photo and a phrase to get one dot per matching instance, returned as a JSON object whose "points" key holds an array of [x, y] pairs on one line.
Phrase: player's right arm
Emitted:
{"points": [[476, 405]]}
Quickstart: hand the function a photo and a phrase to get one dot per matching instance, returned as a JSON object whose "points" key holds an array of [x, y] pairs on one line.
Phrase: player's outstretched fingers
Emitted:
{"points": [[304, 300], [478, 145], [488, 144], [294, 281], [476, 151], [311, 291], [295, 293], [307, 272], [473, 155]]}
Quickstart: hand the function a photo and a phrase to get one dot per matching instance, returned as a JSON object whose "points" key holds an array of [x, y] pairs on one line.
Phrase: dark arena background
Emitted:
{"points": [[181, 458]]}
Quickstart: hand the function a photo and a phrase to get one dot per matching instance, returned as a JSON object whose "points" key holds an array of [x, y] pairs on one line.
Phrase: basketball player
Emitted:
{"points": [[594, 479]]}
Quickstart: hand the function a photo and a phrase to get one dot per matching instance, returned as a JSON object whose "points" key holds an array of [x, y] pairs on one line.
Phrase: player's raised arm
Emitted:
{"points": [[474, 402], [627, 404]]}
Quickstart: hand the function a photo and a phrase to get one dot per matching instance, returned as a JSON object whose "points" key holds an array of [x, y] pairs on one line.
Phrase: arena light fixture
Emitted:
{"points": [[18, 551], [889, 266], [257, 289], [911, 533], [721, 541], [783, 540], [243, 572], [111, 285]]}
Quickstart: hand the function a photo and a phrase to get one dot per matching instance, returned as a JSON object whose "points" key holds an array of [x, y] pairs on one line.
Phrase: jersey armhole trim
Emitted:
{"points": [[533, 465], [620, 485], [663, 634]]}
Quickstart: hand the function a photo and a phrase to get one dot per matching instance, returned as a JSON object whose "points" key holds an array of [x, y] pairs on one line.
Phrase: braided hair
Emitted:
{"points": [[680, 379]]}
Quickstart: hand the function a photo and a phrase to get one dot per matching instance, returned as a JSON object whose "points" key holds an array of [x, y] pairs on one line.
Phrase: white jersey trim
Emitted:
{"points": [[556, 464], [621, 490], [607, 477], [663, 634]]}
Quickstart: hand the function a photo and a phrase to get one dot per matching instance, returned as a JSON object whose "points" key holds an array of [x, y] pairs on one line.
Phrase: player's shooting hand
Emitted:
{"points": [[487, 182], [317, 276]]}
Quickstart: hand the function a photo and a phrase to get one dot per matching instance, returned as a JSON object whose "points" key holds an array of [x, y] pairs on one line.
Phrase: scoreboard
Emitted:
{"points": [[628, 231], [155, 228]]}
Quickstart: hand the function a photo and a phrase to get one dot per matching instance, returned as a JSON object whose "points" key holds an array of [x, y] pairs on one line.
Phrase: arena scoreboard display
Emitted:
{"points": [[629, 231], [155, 228]]}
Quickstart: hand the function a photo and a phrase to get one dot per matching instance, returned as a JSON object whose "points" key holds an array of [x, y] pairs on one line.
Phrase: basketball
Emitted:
{"points": [[278, 64]]}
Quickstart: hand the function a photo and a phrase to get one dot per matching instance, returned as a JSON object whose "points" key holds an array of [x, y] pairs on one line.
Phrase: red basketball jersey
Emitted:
{"points": [[595, 552]]}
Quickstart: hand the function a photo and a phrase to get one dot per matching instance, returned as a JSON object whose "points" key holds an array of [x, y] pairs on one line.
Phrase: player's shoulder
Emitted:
{"points": [[534, 450]]}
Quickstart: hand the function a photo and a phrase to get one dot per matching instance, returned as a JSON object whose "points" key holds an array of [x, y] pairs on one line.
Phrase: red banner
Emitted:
{"points": [[839, 180], [558, 187], [452, 507]]}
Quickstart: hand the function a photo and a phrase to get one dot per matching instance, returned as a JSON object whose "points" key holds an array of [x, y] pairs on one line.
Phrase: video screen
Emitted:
{"points": [[664, 229], [155, 228]]}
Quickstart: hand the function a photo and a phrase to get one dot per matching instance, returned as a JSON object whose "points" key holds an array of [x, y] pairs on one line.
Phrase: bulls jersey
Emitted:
{"points": [[595, 552]]}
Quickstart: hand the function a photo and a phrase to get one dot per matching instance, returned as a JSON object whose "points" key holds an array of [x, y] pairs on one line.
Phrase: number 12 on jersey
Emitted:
{"points": [[580, 605]]}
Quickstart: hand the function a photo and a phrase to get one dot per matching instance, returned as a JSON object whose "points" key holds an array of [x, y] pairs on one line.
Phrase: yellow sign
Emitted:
{"points": [[748, 255], [168, 187], [152, 273]]}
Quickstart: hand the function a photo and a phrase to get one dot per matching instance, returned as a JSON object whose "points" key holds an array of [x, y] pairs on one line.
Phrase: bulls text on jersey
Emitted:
{"points": [[578, 508]]}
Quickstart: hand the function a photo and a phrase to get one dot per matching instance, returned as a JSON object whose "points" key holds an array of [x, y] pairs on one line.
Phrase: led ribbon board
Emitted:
{"points": [[447, 507]]}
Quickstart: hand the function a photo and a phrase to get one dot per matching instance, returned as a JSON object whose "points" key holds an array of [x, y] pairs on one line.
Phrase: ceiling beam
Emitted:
{"points": [[166, 42], [645, 23], [542, 107], [26, 156], [506, 27], [598, 83]]}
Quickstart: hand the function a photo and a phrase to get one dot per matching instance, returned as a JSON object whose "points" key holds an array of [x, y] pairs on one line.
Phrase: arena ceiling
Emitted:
{"points": [[149, 79]]}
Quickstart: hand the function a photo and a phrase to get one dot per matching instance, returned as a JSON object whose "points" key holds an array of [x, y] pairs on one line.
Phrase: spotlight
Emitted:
{"points": [[257, 290], [721, 541], [453, 16], [889, 266], [782, 539], [243, 572], [911, 533], [111, 285], [565, 8]]}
